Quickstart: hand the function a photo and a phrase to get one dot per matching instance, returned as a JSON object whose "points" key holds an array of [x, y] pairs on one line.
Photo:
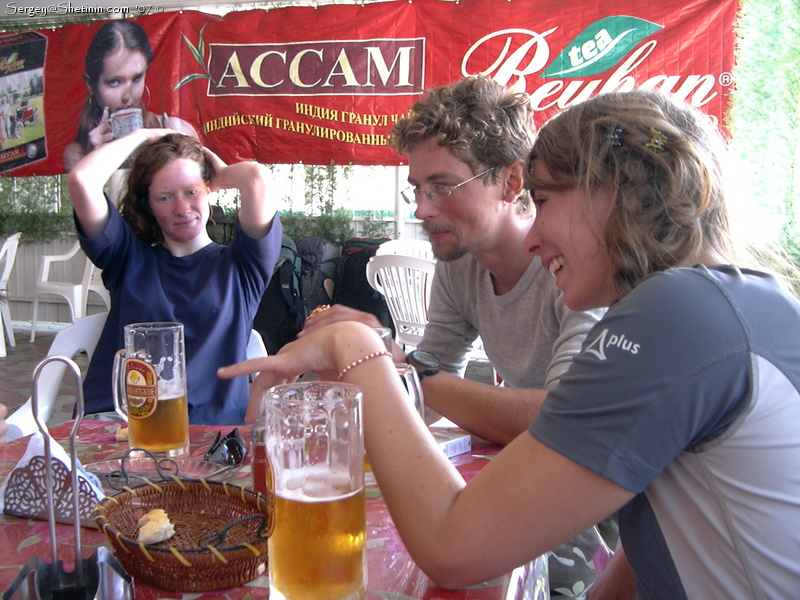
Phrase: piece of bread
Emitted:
{"points": [[121, 434], [155, 527]]}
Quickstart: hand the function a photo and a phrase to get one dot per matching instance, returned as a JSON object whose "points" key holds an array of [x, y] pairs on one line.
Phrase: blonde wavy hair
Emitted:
{"points": [[663, 161]]}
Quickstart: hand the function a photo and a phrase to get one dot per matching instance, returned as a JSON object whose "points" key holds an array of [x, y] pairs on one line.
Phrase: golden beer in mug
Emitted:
{"points": [[315, 447], [317, 548], [149, 388], [165, 429]]}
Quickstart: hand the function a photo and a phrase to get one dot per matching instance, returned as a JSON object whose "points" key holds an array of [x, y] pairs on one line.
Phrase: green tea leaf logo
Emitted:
{"points": [[198, 52], [600, 47]]}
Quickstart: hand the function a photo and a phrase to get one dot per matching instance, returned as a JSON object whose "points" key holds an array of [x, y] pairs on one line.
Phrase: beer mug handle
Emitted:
{"points": [[117, 385]]}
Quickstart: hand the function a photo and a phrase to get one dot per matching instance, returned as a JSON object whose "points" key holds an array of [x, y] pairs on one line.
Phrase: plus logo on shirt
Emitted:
{"points": [[607, 340]]}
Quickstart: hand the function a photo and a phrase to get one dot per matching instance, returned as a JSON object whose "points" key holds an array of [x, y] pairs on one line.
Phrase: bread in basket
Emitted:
{"points": [[220, 539]]}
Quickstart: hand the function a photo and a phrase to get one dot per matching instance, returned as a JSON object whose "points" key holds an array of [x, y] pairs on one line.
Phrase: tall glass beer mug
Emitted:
{"points": [[408, 375], [315, 446], [149, 388], [410, 379], [386, 336]]}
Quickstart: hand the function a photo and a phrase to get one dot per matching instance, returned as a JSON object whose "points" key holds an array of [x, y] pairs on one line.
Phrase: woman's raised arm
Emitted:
{"points": [[252, 181], [87, 178]]}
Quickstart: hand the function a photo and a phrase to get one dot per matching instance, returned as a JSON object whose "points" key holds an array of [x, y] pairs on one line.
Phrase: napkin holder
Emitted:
{"points": [[101, 576]]}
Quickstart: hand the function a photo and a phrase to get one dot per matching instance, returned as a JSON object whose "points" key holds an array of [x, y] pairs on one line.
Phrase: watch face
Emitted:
{"points": [[425, 359]]}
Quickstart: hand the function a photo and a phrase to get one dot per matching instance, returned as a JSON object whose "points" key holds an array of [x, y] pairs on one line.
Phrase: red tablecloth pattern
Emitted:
{"points": [[392, 574]]}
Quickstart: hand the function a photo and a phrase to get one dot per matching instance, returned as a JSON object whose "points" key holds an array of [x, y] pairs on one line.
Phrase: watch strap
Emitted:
{"points": [[426, 373]]}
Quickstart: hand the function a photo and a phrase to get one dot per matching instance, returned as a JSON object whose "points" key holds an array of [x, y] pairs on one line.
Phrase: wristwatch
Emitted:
{"points": [[424, 362]]}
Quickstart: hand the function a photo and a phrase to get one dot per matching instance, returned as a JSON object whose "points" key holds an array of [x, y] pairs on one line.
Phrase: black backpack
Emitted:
{"points": [[319, 258], [281, 314], [351, 286]]}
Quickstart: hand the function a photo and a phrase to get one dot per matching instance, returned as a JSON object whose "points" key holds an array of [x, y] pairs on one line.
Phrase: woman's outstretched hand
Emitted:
{"points": [[325, 352]]}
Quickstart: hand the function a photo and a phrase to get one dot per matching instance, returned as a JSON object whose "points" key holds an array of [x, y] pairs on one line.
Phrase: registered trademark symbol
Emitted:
{"points": [[725, 78]]}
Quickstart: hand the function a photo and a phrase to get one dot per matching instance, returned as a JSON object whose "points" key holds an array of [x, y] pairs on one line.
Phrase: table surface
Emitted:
{"points": [[392, 574]]}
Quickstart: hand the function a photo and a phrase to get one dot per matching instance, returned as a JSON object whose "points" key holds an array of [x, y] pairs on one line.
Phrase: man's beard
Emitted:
{"points": [[451, 252]]}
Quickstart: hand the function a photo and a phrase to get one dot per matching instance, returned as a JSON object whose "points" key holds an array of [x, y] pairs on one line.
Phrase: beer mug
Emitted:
{"points": [[125, 121], [386, 336], [315, 447], [149, 388], [413, 387], [408, 375]]}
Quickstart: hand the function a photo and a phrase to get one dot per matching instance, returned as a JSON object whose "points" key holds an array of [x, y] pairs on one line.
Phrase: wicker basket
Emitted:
{"points": [[191, 560]]}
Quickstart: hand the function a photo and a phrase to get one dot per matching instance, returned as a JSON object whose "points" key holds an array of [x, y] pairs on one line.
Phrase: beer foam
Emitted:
{"points": [[169, 389], [316, 485]]}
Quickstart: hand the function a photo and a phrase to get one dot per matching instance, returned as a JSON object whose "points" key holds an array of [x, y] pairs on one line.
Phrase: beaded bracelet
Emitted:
{"points": [[355, 363]]}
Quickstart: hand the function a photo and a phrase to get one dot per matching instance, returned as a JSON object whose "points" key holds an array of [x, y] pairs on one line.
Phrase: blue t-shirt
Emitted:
{"points": [[214, 292], [686, 393]]}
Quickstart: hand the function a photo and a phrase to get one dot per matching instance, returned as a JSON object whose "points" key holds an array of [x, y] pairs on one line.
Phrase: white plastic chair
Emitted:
{"points": [[255, 349], [405, 282], [92, 281], [8, 255], [76, 294], [418, 248], [255, 345], [72, 292], [82, 335]]}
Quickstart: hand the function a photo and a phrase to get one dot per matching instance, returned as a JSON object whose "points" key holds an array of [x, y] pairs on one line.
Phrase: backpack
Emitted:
{"points": [[281, 314], [351, 287], [319, 257]]}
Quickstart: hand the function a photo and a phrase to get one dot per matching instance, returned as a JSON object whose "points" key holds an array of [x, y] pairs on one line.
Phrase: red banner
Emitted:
{"points": [[324, 85]]}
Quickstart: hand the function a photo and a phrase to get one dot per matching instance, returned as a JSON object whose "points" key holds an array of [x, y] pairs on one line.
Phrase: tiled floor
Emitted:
{"points": [[16, 370]]}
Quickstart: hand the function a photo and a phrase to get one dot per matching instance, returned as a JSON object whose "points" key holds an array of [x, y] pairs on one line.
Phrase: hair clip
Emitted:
{"points": [[613, 135], [657, 141]]}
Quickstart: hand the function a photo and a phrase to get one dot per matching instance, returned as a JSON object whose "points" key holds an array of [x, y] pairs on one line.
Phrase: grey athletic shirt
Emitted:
{"points": [[529, 335], [687, 394]]}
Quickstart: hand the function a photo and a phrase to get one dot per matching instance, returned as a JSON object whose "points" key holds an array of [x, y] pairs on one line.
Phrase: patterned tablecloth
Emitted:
{"points": [[391, 572]]}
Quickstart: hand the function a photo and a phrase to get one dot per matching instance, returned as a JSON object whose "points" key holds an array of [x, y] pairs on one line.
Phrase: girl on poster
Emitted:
{"points": [[114, 73]]}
